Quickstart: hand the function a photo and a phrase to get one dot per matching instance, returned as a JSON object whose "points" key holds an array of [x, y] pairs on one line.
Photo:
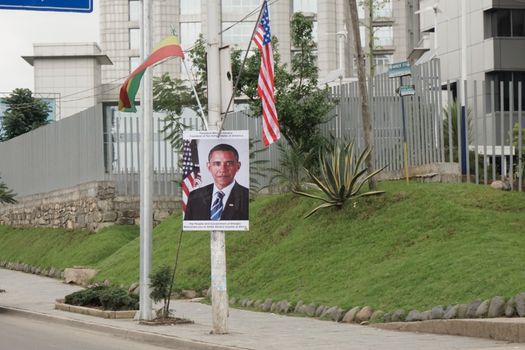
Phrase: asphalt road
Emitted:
{"points": [[19, 333]]}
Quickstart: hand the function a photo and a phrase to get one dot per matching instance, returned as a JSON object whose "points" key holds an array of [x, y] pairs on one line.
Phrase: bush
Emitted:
{"points": [[109, 298]]}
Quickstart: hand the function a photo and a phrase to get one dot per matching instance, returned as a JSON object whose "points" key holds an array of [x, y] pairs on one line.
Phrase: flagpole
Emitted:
{"points": [[223, 119], [203, 118], [146, 174]]}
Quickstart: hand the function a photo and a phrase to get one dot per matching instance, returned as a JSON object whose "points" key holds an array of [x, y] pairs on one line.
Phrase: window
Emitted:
{"points": [[383, 9], [506, 78], [362, 35], [239, 6], [238, 35], [382, 63], [134, 10], [134, 38], [507, 23], [383, 36], [134, 62], [305, 6], [361, 10], [190, 7]]}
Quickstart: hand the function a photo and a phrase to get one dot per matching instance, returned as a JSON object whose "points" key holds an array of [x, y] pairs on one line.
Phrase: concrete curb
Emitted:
{"points": [[166, 341], [497, 329]]}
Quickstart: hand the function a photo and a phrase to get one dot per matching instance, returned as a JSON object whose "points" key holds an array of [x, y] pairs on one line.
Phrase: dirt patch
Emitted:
{"points": [[166, 321]]}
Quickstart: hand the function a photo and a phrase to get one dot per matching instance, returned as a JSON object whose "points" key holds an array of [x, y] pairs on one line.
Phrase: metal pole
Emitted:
{"points": [[219, 293], [405, 146], [146, 200], [463, 87]]}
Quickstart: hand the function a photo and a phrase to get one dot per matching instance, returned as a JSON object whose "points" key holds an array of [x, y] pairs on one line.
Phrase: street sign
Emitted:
{"points": [[400, 69], [48, 5], [407, 90]]}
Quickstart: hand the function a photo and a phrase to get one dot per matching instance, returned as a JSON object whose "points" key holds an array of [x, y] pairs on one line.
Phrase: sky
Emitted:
{"points": [[20, 29]]}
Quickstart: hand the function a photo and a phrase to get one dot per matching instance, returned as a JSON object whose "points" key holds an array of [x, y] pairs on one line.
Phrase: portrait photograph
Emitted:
{"points": [[216, 180]]}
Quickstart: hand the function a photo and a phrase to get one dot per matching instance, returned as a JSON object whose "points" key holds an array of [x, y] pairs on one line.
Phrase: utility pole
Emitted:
{"points": [[146, 172], [219, 292]]}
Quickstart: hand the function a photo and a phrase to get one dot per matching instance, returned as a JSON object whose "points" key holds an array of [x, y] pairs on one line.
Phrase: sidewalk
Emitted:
{"points": [[33, 296]]}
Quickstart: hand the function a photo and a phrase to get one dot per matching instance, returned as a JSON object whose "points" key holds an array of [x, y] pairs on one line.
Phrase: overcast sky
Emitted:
{"points": [[20, 29]]}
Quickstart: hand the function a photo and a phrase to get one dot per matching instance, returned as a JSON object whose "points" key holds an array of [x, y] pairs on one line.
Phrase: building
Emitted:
{"points": [[120, 31], [69, 72]]}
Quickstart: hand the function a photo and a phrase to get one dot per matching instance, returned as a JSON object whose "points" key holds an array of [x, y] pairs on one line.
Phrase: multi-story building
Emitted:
{"points": [[119, 30]]}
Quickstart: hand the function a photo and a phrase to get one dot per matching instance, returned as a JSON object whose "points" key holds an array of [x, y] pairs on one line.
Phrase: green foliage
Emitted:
{"points": [[108, 298], [6, 195], [160, 283], [291, 173], [301, 104], [258, 167], [23, 114], [516, 143], [341, 176], [451, 116], [170, 96], [417, 246]]}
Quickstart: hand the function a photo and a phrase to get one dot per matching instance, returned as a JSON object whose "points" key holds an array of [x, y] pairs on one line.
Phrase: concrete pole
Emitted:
{"points": [[219, 292], [146, 173]]}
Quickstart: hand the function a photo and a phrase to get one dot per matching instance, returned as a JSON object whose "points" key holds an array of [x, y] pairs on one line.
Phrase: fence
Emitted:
{"points": [[96, 146], [55, 156], [488, 141]]}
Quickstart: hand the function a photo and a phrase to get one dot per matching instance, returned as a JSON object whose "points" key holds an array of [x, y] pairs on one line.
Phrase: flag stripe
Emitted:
{"points": [[265, 85], [169, 47]]}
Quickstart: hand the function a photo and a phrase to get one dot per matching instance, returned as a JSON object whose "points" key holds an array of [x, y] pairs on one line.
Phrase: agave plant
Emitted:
{"points": [[341, 176], [6, 195]]}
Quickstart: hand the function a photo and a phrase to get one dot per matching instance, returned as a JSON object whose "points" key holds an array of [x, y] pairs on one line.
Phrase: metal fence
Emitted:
{"points": [[55, 156], [97, 145], [487, 137]]}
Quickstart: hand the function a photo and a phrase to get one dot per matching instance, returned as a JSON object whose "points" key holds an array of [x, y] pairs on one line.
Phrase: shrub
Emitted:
{"points": [[341, 176], [109, 298]]}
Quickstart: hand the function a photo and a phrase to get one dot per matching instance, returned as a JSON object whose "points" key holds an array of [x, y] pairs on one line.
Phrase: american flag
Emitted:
{"points": [[263, 40], [191, 176]]}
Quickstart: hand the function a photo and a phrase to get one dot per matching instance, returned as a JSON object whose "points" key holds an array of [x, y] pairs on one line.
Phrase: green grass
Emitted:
{"points": [[417, 246]]}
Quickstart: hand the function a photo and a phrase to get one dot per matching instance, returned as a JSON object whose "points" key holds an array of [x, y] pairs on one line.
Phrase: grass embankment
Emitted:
{"points": [[417, 246]]}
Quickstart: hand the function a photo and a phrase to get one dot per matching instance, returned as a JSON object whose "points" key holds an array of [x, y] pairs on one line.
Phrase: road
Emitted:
{"points": [[19, 333]]}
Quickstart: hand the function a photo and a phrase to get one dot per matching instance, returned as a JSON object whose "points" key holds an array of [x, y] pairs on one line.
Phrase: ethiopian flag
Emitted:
{"points": [[169, 47]]}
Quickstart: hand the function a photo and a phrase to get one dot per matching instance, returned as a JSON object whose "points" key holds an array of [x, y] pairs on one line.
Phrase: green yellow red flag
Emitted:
{"points": [[169, 47]]}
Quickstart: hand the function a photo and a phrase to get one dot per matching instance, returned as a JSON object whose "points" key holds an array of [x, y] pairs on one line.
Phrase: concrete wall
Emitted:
{"points": [[91, 206]]}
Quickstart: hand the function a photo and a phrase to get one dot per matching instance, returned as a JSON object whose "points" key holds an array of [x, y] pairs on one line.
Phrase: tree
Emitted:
{"points": [[6, 195], [351, 9], [24, 113], [301, 104], [372, 6]]}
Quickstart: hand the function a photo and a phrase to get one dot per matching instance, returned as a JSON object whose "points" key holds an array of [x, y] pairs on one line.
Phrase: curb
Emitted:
{"points": [[156, 339], [489, 329]]}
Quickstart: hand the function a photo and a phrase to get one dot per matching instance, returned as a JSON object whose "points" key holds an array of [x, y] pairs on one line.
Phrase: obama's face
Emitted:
{"points": [[223, 165]]}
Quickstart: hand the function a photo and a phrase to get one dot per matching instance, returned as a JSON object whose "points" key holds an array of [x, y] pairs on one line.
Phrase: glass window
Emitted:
{"points": [[190, 7], [305, 6], [238, 35], [383, 36], [362, 36], [501, 23], [239, 6], [134, 10], [361, 10], [383, 9], [382, 63], [134, 38], [518, 23], [134, 62]]}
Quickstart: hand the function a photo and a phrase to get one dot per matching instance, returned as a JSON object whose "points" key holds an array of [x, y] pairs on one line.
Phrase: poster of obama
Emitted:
{"points": [[215, 184]]}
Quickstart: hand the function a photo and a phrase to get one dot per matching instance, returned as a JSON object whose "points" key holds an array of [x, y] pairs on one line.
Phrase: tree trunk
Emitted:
{"points": [[371, 62], [363, 92]]}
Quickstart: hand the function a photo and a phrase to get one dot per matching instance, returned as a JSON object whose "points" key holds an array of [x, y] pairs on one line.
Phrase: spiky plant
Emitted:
{"points": [[341, 176]]}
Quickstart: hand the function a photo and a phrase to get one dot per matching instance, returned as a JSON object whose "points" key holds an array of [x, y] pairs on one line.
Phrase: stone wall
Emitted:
{"points": [[90, 206]]}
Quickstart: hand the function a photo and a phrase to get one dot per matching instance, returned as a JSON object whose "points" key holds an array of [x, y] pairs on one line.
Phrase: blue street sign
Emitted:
{"points": [[399, 69], [48, 5], [407, 90]]}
